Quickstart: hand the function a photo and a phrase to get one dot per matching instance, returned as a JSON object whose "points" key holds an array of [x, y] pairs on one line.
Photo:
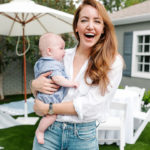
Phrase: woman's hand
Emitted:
{"points": [[40, 107], [44, 85]]}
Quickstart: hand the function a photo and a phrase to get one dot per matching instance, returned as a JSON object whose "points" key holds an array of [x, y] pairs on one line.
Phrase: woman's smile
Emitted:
{"points": [[89, 36]]}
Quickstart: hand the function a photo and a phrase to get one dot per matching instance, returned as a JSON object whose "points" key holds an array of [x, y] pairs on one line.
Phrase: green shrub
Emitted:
{"points": [[146, 97]]}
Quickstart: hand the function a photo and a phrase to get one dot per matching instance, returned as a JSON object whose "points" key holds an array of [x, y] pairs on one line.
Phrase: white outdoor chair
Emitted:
{"points": [[140, 119], [139, 90], [114, 124], [144, 117]]}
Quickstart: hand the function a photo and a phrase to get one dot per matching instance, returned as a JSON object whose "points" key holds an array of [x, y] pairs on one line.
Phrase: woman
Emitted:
{"points": [[97, 66]]}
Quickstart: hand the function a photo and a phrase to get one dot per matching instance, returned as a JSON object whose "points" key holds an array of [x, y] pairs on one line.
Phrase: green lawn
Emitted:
{"points": [[21, 138], [18, 137]]}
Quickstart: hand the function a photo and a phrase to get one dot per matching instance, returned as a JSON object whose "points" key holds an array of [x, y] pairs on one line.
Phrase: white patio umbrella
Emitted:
{"points": [[25, 17]]}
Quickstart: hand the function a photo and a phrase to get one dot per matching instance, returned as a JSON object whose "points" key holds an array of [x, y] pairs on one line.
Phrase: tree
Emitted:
{"points": [[115, 5], [112, 5], [132, 2], [62, 5], [4, 1]]}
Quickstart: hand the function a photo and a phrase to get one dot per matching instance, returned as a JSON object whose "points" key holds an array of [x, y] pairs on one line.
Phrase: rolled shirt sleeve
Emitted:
{"points": [[94, 106]]}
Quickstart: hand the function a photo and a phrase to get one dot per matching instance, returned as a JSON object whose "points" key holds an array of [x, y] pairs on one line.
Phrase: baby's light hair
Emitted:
{"points": [[46, 41]]}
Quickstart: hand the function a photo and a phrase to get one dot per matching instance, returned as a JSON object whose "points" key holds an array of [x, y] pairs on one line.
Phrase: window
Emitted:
{"points": [[141, 54]]}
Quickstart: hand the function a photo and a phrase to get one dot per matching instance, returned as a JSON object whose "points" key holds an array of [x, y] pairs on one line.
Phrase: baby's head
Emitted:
{"points": [[52, 45]]}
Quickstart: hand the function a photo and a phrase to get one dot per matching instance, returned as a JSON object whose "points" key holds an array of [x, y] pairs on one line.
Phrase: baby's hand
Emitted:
{"points": [[75, 84]]}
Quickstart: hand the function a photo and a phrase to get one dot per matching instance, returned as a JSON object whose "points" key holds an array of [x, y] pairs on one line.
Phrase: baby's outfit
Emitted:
{"points": [[46, 64]]}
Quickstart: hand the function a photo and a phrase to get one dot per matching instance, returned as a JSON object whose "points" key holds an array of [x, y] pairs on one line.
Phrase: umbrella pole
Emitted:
{"points": [[25, 120], [24, 69]]}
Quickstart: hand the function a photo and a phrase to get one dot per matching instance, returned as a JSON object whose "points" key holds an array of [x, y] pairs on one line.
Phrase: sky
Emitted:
{"points": [[76, 3]]}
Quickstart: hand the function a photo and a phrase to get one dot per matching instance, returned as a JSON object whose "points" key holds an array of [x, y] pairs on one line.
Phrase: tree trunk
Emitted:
{"points": [[1, 87]]}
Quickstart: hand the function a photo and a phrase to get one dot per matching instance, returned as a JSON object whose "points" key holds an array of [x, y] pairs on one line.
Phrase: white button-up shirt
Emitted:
{"points": [[88, 102]]}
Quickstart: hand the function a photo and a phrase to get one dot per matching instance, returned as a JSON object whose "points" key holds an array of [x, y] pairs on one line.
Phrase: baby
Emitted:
{"points": [[51, 47]]}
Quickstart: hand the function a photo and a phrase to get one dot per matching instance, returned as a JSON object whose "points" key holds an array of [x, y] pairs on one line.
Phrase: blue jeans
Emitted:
{"points": [[69, 136]]}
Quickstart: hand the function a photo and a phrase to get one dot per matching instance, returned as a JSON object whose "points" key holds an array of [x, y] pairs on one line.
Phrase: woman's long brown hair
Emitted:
{"points": [[103, 52]]}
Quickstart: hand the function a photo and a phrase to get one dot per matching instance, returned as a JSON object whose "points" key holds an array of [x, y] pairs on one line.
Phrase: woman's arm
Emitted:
{"points": [[64, 108]]}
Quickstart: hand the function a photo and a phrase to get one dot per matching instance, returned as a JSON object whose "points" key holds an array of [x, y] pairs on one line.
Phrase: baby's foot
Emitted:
{"points": [[40, 136]]}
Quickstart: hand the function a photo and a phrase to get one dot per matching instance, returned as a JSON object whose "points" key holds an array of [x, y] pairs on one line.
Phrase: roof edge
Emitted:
{"points": [[130, 20]]}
